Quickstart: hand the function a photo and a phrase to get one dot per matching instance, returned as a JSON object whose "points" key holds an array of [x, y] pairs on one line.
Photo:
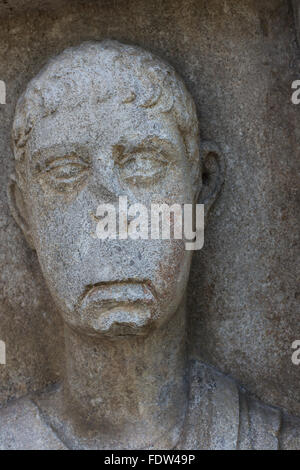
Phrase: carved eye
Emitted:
{"points": [[65, 173], [143, 167]]}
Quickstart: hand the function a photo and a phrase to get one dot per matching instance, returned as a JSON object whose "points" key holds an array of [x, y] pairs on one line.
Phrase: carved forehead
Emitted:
{"points": [[100, 131]]}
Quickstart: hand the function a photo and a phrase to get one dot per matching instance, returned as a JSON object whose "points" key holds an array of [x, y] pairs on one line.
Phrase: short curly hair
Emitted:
{"points": [[105, 68]]}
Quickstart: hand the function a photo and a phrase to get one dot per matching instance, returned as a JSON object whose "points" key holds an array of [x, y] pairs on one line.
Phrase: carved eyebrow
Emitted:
{"points": [[49, 150], [125, 148], [59, 151]]}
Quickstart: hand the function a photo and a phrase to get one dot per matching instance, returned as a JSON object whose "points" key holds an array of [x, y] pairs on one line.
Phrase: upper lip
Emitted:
{"points": [[112, 293]]}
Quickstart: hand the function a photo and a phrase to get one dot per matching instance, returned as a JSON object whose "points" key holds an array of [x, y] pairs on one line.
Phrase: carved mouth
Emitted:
{"points": [[111, 294], [118, 305]]}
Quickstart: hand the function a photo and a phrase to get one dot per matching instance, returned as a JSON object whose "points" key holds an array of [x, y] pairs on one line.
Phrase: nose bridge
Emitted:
{"points": [[105, 185]]}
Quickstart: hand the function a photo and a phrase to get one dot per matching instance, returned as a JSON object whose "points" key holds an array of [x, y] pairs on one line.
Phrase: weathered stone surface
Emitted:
{"points": [[244, 302], [100, 121], [296, 7], [23, 428], [238, 62], [220, 416]]}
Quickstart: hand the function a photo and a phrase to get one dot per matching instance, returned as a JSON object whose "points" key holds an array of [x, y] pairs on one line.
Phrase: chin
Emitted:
{"points": [[114, 323]]}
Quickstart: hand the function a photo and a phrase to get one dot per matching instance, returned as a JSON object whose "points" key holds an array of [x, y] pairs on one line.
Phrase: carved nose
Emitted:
{"points": [[105, 194]]}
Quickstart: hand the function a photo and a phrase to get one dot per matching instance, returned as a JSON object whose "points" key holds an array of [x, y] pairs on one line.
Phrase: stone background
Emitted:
{"points": [[238, 60]]}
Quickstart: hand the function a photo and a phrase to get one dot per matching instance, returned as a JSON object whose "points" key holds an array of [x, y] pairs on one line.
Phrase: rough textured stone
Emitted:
{"points": [[100, 121], [23, 428], [238, 61], [296, 7], [220, 416]]}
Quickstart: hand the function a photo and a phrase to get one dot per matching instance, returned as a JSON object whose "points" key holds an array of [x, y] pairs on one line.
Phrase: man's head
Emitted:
{"points": [[100, 121]]}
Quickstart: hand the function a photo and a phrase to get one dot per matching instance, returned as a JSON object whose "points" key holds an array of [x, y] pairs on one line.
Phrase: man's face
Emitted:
{"points": [[78, 160]]}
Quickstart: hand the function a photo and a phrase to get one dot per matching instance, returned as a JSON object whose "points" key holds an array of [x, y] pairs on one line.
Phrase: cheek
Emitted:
{"points": [[173, 272], [58, 222], [56, 237]]}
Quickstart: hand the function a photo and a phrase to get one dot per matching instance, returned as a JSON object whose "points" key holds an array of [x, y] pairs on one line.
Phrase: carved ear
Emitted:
{"points": [[18, 208], [213, 171]]}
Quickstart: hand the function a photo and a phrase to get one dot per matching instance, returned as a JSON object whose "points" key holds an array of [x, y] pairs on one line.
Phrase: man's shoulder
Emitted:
{"points": [[221, 415], [212, 420], [23, 428]]}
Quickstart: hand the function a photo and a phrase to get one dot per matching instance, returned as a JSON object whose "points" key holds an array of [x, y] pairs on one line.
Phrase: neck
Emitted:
{"points": [[128, 392]]}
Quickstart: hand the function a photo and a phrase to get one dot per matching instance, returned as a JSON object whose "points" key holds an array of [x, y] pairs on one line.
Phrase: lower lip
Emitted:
{"points": [[131, 319]]}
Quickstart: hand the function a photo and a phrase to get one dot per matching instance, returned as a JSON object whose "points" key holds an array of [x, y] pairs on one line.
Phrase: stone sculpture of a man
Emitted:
{"points": [[100, 121]]}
